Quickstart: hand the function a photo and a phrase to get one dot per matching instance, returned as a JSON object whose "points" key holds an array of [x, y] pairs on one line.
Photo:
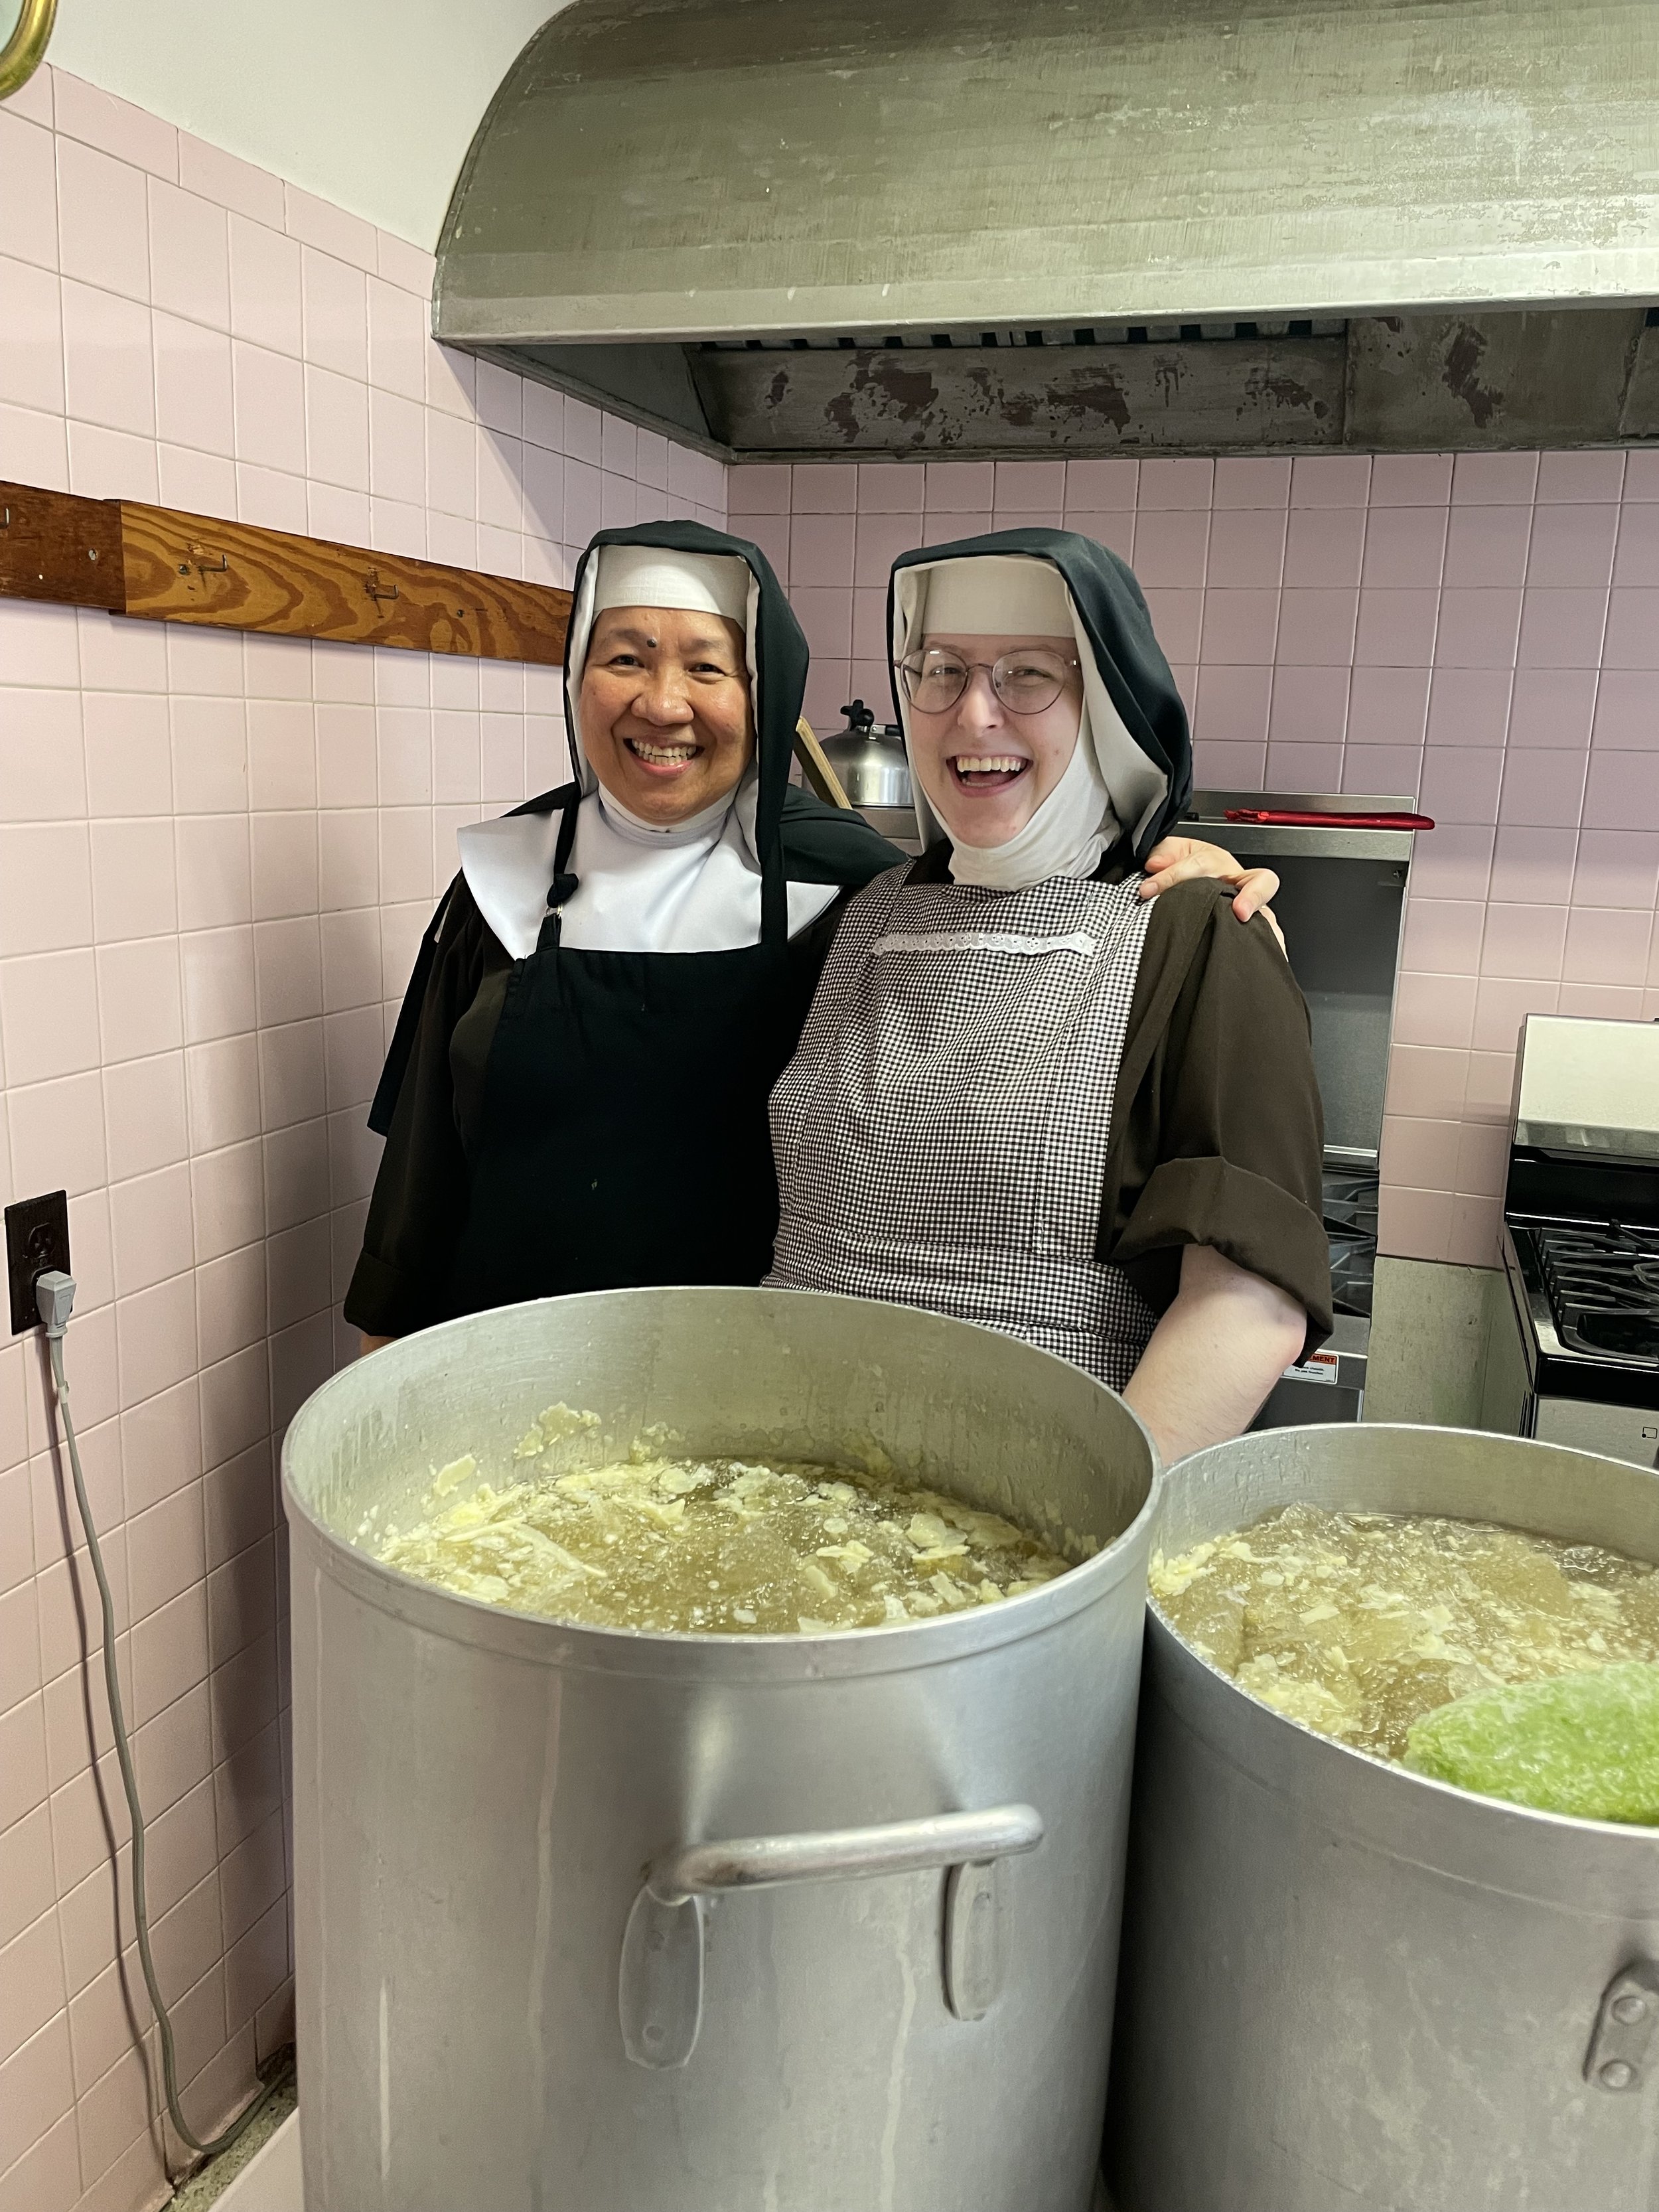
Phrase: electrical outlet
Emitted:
{"points": [[37, 1240]]}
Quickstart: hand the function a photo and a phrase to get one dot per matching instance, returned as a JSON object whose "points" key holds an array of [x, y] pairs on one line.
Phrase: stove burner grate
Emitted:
{"points": [[1603, 1285]]}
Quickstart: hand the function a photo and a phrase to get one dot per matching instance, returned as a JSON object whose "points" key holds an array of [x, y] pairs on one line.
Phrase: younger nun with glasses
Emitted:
{"points": [[1026, 1094]]}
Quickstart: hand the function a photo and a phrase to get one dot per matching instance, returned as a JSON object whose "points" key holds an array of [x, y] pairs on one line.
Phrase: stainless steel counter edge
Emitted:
{"points": [[1323, 843]]}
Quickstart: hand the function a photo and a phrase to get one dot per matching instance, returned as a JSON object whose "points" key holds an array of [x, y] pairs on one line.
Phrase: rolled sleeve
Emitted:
{"points": [[383, 1300], [1218, 1131], [1249, 1219]]}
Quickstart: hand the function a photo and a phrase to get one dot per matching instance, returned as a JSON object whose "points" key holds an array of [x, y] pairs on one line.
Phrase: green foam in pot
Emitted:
{"points": [[1585, 1744]]}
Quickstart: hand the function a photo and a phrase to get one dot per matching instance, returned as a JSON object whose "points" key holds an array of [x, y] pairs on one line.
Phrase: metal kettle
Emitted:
{"points": [[869, 760]]}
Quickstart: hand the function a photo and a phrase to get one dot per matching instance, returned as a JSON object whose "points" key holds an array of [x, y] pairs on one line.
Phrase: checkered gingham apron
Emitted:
{"points": [[940, 1134]]}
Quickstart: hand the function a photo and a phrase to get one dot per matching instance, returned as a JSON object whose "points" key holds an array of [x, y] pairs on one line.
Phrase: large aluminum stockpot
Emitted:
{"points": [[527, 1979], [1345, 1985]]}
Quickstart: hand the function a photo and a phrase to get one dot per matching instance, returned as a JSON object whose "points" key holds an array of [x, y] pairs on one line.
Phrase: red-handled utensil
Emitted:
{"points": [[1283, 816]]}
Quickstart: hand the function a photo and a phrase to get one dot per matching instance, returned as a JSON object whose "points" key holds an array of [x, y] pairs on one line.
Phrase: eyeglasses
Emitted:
{"points": [[1026, 680]]}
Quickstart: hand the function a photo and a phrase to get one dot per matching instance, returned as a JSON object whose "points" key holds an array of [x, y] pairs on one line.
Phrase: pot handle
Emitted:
{"points": [[660, 1985], [1620, 2051]]}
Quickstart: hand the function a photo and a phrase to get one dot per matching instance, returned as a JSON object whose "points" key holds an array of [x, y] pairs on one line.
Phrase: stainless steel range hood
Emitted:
{"points": [[827, 225]]}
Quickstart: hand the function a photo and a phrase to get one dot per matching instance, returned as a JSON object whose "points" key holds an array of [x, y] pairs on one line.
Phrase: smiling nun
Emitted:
{"points": [[576, 1094], [1026, 1094], [575, 1097]]}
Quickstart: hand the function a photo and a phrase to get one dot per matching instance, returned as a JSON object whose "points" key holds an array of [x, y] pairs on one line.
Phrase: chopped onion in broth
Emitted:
{"points": [[1359, 1624], [718, 1546]]}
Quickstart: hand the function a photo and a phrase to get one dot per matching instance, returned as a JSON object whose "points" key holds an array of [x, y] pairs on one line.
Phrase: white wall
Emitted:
{"points": [[371, 104]]}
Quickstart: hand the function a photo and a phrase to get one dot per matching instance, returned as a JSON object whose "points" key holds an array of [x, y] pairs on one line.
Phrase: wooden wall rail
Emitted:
{"points": [[154, 563]]}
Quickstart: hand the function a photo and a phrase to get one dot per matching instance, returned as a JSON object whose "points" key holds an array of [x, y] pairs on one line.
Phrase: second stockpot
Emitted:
{"points": [[1344, 1984], [594, 1921]]}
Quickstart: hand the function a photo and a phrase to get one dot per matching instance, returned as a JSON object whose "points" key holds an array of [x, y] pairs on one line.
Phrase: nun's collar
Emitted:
{"points": [[1117, 863], [696, 828]]}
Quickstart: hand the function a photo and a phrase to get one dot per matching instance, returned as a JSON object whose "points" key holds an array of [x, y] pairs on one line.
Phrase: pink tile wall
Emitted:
{"points": [[216, 854], [1481, 633]]}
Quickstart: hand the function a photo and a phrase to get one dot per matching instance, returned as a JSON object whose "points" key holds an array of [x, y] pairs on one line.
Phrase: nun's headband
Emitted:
{"points": [[658, 576]]}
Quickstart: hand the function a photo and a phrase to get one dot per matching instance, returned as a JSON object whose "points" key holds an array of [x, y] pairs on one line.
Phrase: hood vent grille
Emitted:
{"points": [[1161, 334]]}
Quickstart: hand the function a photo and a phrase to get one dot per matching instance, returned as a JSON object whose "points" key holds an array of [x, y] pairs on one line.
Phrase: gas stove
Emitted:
{"points": [[1580, 1244], [1590, 1293], [1602, 1283]]}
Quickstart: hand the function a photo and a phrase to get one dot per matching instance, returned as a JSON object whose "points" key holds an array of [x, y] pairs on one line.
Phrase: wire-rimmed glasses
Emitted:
{"points": [[1026, 679]]}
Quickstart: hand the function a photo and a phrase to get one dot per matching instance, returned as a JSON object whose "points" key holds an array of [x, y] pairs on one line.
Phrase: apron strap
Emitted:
{"points": [[775, 895], [564, 884]]}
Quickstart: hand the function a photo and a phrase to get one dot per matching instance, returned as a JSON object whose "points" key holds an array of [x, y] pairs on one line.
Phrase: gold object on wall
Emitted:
{"points": [[26, 49]]}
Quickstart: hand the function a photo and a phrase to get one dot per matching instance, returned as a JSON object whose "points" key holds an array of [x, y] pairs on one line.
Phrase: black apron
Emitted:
{"points": [[624, 1138]]}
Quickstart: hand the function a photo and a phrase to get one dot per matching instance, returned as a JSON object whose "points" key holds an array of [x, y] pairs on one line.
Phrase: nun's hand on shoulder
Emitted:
{"points": [[1184, 859]]}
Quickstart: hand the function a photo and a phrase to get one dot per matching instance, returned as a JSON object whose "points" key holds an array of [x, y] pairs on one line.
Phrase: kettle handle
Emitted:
{"points": [[660, 1984]]}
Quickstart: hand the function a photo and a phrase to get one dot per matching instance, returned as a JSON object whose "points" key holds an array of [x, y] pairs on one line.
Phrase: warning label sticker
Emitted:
{"points": [[1318, 1367]]}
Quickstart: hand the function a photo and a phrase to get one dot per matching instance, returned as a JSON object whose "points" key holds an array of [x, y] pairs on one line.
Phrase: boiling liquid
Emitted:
{"points": [[715, 1545], [1359, 1624]]}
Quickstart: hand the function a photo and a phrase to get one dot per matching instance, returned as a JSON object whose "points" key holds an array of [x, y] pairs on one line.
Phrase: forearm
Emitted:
{"points": [[1214, 1356], [366, 1343]]}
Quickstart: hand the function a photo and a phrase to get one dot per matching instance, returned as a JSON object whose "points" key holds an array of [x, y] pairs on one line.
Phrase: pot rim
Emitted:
{"points": [[1357, 1760], [1327, 1775], [892, 1648]]}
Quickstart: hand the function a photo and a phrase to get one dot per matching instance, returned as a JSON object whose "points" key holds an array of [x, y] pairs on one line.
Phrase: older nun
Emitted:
{"points": [[576, 1094], [1026, 1094], [575, 1097]]}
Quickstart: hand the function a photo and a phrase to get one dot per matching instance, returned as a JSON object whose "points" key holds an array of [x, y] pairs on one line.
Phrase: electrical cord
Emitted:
{"points": [[54, 1294]]}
